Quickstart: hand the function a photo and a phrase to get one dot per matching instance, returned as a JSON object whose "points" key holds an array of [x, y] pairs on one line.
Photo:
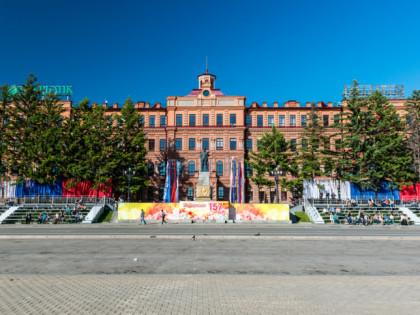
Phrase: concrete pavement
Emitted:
{"points": [[227, 269]]}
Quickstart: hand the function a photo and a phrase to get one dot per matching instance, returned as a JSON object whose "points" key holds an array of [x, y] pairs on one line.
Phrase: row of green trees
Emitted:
{"points": [[372, 145], [42, 142]]}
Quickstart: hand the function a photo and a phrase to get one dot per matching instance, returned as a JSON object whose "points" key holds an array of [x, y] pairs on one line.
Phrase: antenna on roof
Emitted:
{"points": [[207, 68]]}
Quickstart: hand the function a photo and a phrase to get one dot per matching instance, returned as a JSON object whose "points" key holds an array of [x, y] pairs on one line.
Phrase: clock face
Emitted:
{"points": [[206, 93]]}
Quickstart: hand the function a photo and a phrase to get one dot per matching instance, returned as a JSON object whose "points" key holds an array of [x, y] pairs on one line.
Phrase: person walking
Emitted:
{"points": [[142, 217], [163, 214]]}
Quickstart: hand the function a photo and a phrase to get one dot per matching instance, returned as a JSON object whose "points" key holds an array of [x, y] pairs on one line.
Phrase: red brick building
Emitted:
{"points": [[227, 128]]}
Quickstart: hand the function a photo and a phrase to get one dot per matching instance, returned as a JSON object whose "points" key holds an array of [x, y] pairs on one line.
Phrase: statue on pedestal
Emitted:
{"points": [[204, 158]]}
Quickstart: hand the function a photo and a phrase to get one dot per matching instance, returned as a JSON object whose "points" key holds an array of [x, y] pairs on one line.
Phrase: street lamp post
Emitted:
{"points": [[130, 174], [276, 176]]}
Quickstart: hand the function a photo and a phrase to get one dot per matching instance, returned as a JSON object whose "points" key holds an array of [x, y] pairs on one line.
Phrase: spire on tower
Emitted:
{"points": [[207, 68]]}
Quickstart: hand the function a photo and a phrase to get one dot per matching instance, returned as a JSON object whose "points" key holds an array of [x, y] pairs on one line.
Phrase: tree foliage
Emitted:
{"points": [[272, 152], [413, 129], [40, 142]]}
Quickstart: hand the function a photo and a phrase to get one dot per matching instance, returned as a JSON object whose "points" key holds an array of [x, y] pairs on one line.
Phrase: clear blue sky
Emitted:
{"points": [[265, 50]]}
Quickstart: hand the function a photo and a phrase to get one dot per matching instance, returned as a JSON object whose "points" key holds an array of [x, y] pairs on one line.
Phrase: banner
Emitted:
{"points": [[236, 193], [131, 211], [261, 211], [204, 210], [173, 171]]}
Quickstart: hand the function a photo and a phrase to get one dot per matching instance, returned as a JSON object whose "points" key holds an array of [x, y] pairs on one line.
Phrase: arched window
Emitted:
{"points": [[220, 192], [219, 168], [162, 169], [191, 169], [190, 193], [151, 169]]}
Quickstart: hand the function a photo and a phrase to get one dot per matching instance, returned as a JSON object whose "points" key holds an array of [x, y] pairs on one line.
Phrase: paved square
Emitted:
{"points": [[208, 294]]}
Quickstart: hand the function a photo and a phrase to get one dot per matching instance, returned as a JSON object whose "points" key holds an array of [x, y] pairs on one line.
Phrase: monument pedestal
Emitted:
{"points": [[203, 189]]}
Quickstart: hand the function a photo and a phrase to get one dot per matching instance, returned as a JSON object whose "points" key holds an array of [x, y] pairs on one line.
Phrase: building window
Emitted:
{"points": [[233, 143], [161, 193], [293, 145], [192, 120], [179, 120], [232, 119], [219, 120], [219, 168], [178, 144], [163, 121], [151, 144], [303, 120], [151, 169], [248, 144], [162, 169], [191, 143], [248, 169], [338, 145], [250, 195], [206, 143], [284, 196], [152, 122], [336, 119], [282, 121], [260, 121], [206, 120], [327, 145], [248, 120], [219, 144], [190, 193], [191, 168], [272, 195], [141, 121], [326, 120], [292, 120], [270, 120], [304, 143], [162, 144], [150, 192], [220, 193]]}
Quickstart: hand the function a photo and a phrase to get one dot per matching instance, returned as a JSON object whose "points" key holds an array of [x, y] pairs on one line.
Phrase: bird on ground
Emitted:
{"points": [[258, 234], [193, 238]]}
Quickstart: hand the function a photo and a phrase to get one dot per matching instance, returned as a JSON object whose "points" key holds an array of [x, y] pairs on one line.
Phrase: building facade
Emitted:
{"points": [[224, 125]]}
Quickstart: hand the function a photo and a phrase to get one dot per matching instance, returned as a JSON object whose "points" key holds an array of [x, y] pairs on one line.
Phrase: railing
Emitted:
{"points": [[312, 213], [42, 200]]}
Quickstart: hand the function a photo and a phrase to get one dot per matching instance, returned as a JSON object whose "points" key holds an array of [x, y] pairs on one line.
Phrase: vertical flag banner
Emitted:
{"points": [[173, 171], [236, 194]]}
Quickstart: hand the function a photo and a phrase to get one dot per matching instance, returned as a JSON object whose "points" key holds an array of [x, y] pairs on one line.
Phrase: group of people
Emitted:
{"points": [[9, 202], [142, 214], [363, 218], [59, 217]]}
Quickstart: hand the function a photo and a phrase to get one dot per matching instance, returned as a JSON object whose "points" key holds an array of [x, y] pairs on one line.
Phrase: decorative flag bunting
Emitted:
{"points": [[236, 194], [173, 170]]}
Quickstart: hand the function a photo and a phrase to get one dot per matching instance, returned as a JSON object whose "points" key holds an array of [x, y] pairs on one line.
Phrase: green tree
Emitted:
{"points": [[413, 129], [4, 121], [49, 148], [129, 150], [350, 141], [272, 153], [386, 156], [34, 134], [89, 146], [314, 151]]}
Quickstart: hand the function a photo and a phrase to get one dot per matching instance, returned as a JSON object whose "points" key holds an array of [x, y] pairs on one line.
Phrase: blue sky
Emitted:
{"points": [[265, 50]]}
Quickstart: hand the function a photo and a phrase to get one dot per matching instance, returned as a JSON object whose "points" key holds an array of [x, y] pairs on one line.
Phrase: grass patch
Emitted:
{"points": [[302, 217], [106, 216]]}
